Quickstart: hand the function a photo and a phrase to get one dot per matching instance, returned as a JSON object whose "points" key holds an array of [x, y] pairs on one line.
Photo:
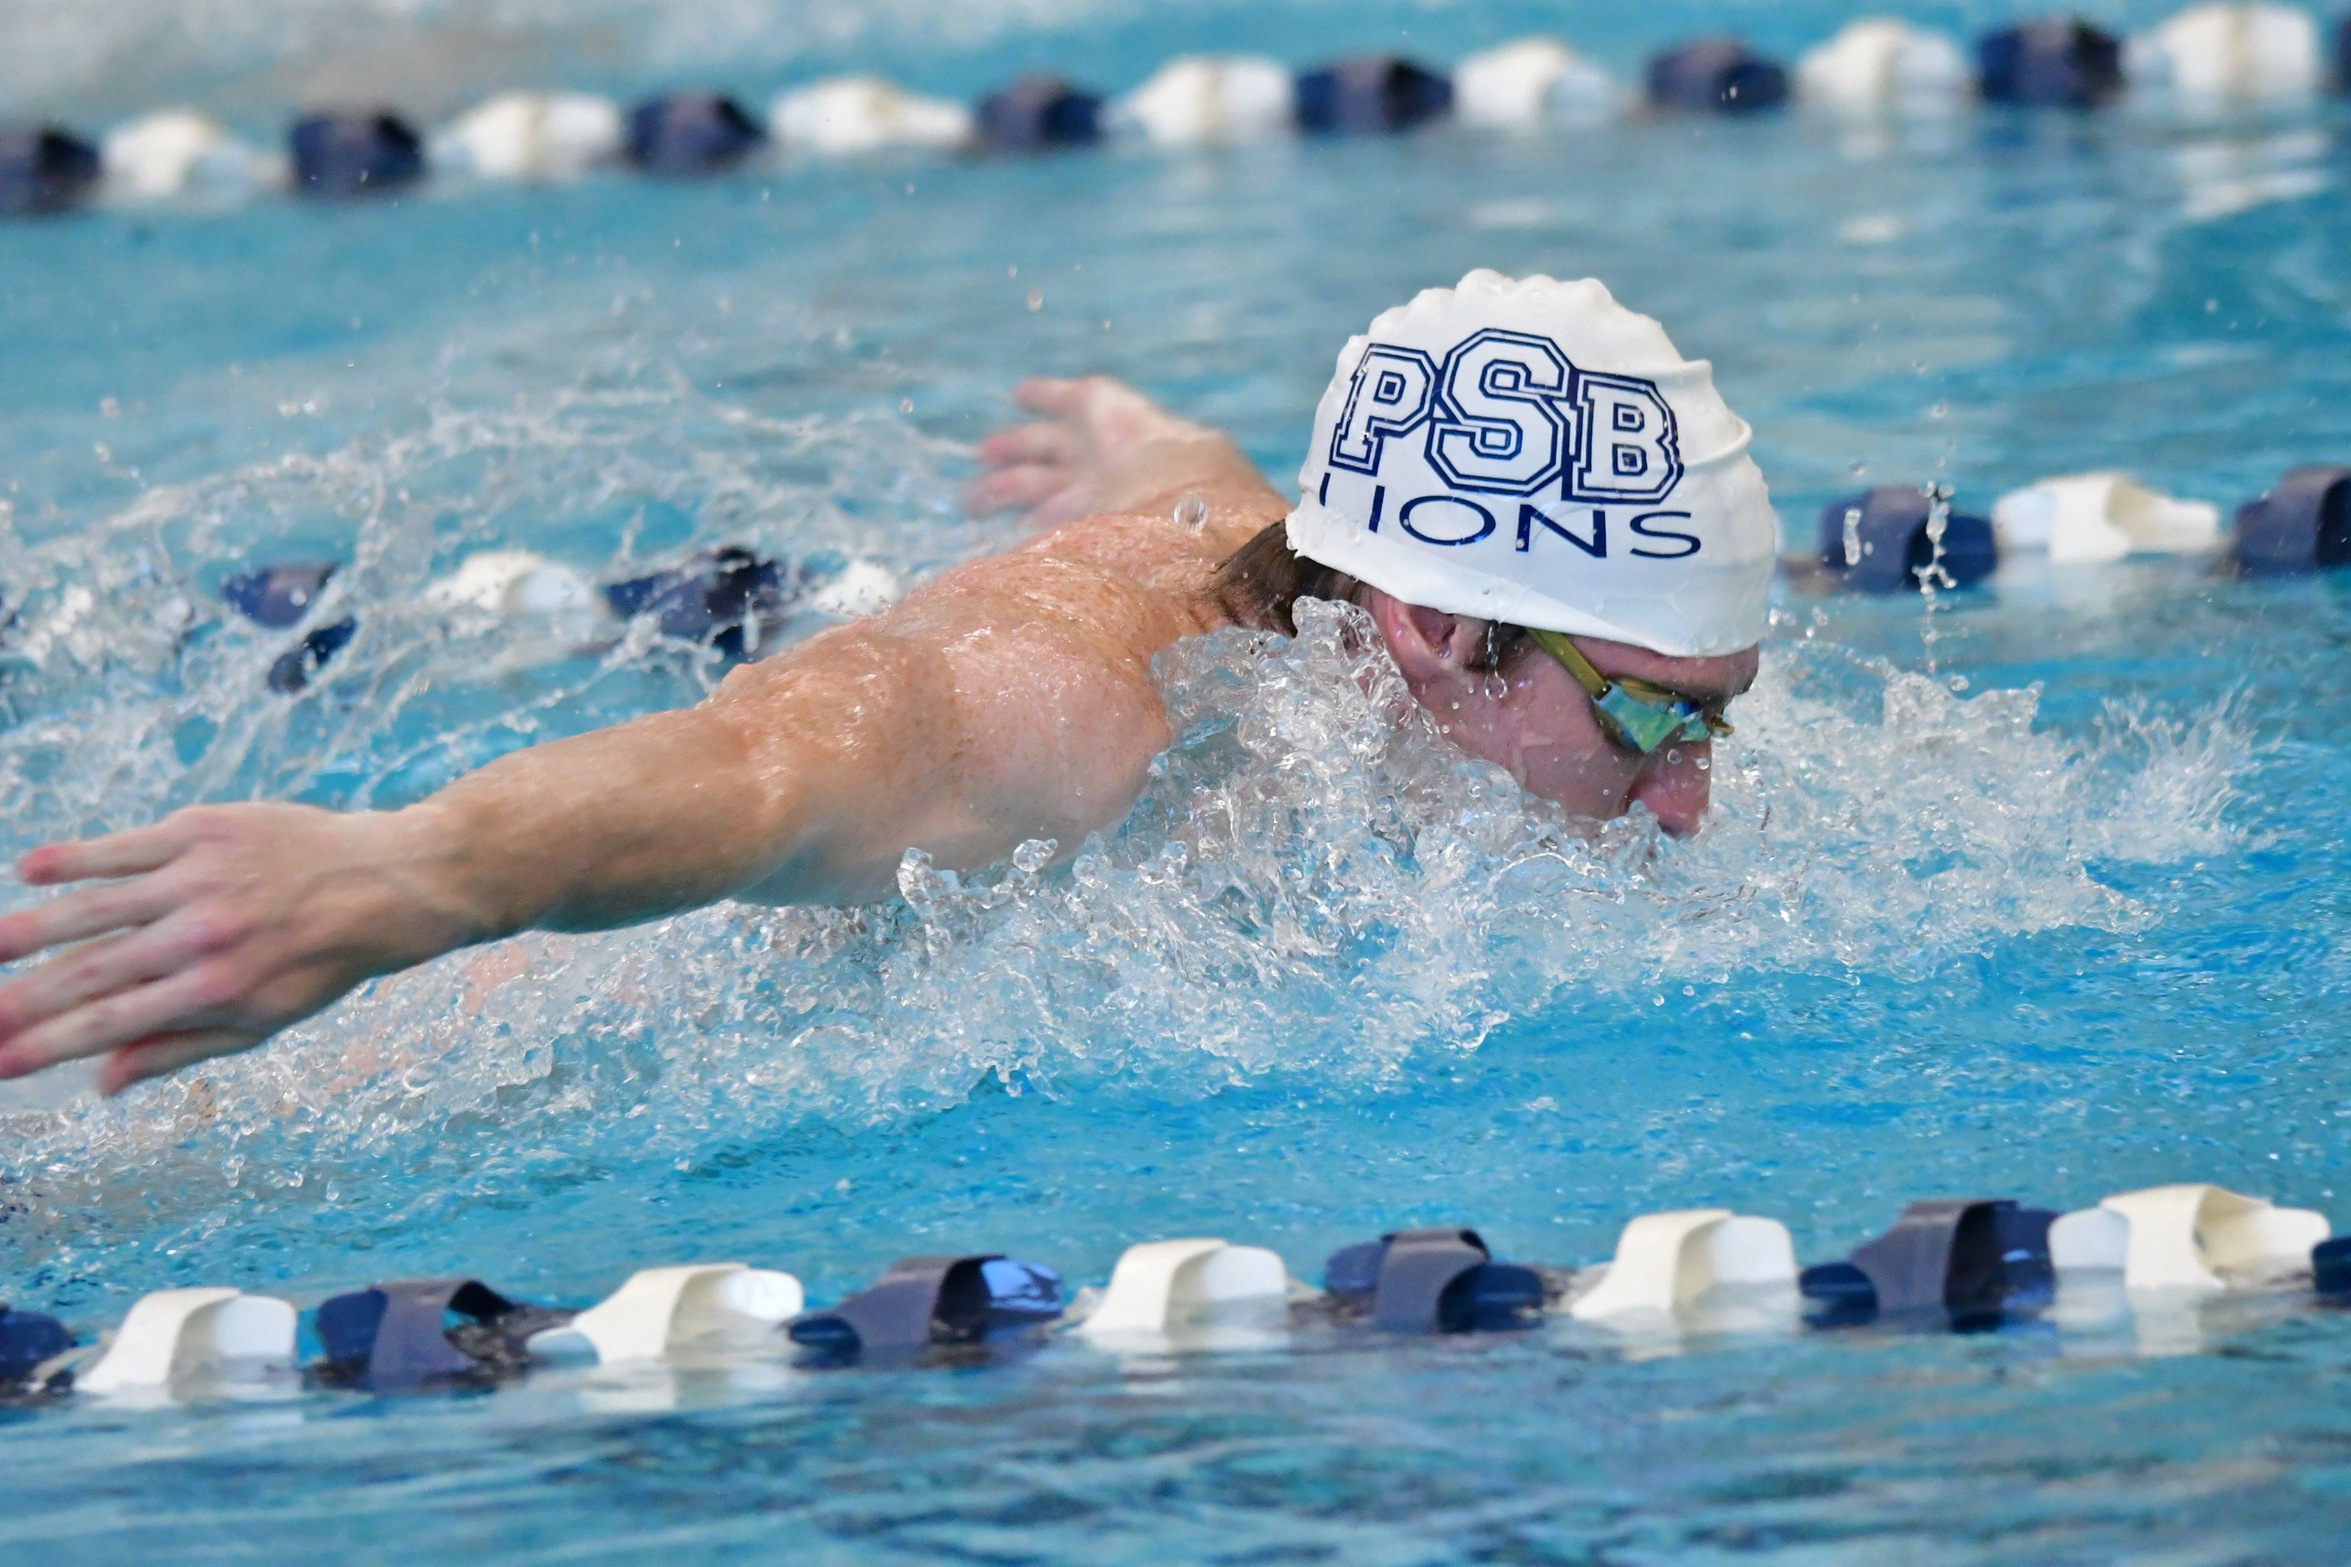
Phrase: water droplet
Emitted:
{"points": [[1192, 512], [1036, 299]]}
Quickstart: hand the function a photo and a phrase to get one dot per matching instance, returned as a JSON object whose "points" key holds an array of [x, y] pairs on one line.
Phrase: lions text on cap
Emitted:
{"points": [[1530, 451]]}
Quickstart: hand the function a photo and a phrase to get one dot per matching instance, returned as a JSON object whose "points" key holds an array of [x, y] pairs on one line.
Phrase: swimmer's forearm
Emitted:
{"points": [[591, 833], [802, 781], [1197, 461]]}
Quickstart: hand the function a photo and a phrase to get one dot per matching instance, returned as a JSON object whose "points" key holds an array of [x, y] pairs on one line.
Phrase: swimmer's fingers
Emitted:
{"points": [[93, 911], [99, 968], [192, 999], [162, 1053], [116, 854], [1014, 489], [1030, 443], [1051, 395]]}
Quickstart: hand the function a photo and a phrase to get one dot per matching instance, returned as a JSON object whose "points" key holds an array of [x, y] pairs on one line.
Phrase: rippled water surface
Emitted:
{"points": [[2033, 893]]}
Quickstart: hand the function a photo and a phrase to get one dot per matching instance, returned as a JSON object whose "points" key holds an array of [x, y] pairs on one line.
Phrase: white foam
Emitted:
{"points": [[1310, 845]]}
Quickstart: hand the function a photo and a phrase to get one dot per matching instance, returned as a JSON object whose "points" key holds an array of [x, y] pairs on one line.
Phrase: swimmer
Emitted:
{"points": [[1549, 516]]}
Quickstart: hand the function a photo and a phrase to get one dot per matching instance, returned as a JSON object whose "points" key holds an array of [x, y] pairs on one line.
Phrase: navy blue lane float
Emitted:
{"points": [[728, 599], [2300, 526], [401, 1337], [2055, 63], [686, 134], [1972, 1262], [44, 170], [2051, 62], [1038, 114], [2330, 1268], [1370, 94], [342, 155], [1878, 542], [1716, 76], [1432, 1281], [942, 1301], [28, 1341], [722, 598], [1963, 1265], [281, 597]]}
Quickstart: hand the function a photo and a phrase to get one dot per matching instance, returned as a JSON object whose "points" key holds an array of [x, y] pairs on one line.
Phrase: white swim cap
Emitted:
{"points": [[1533, 452]]}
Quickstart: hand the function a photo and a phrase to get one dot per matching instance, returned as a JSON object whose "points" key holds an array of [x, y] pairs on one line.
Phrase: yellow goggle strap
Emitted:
{"points": [[1636, 713]]}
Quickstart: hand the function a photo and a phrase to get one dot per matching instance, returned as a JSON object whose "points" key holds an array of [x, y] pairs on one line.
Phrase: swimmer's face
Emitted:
{"points": [[1534, 720]]}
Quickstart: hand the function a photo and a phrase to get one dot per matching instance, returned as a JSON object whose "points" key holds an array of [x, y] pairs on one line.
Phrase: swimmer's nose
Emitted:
{"points": [[1676, 786]]}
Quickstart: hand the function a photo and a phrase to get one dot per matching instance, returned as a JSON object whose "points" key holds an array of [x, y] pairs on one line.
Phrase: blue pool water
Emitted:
{"points": [[2033, 893]]}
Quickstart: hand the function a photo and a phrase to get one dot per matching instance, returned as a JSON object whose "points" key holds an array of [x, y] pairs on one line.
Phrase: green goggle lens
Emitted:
{"points": [[1635, 714]]}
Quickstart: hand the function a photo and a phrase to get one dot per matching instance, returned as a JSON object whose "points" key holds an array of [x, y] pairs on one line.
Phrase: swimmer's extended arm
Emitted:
{"points": [[1011, 699]]}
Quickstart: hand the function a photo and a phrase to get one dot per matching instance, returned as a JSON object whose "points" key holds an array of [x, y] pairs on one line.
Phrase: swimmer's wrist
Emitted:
{"points": [[1191, 459], [451, 887]]}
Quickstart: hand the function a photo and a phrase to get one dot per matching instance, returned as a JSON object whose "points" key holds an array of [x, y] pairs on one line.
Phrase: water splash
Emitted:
{"points": [[1315, 884], [132, 691]]}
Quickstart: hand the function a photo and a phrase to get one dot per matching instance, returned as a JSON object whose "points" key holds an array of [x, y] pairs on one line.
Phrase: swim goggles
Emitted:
{"points": [[1633, 713]]}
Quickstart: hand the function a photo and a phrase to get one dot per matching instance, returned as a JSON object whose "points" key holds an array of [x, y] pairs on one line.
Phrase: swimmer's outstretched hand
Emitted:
{"points": [[204, 934], [1101, 446], [975, 715]]}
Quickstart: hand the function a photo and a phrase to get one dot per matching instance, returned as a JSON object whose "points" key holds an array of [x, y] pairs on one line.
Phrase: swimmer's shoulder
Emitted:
{"points": [[1173, 550]]}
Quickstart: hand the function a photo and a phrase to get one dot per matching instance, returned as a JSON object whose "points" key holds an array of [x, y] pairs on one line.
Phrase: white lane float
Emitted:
{"points": [[2190, 1236], [2094, 518], [177, 1333], [564, 607], [1879, 66], [1160, 1285], [1211, 101], [535, 136], [1667, 1262], [851, 116], [2226, 55], [178, 154], [1532, 83], [724, 1305]]}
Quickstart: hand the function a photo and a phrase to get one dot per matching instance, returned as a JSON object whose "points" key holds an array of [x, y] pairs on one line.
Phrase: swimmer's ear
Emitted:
{"points": [[1427, 644]]}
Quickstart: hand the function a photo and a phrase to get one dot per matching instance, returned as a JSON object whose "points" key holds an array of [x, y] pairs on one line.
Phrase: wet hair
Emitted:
{"points": [[1260, 583]]}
